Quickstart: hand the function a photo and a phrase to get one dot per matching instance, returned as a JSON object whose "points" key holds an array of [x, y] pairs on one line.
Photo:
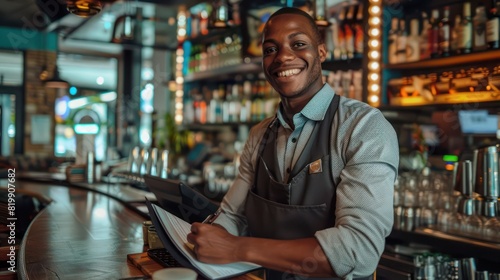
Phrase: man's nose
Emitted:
{"points": [[284, 54]]}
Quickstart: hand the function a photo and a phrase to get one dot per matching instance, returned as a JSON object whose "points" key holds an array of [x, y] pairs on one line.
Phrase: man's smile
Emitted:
{"points": [[287, 73]]}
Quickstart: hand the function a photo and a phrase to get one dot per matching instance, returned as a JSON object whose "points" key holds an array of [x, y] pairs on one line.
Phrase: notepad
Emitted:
{"points": [[173, 233]]}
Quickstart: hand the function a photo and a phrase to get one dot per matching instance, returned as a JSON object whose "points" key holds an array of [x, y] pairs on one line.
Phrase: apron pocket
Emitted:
{"points": [[269, 219]]}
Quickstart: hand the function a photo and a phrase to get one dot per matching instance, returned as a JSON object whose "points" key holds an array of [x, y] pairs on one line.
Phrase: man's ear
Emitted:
{"points": [[322, 52]]}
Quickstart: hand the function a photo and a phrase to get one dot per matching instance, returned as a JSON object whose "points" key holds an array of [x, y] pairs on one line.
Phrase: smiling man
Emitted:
{"points": [[314, 194]]}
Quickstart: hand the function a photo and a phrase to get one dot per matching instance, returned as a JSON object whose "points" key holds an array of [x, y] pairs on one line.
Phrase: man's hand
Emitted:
{"points": [[213, 244]]}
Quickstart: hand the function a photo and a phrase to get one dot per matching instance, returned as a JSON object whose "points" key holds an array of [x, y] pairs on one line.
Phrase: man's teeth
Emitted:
{"points": [[288, 72]]}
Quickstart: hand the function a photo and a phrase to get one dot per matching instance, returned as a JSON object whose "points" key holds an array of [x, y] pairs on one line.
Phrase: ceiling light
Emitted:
{"points": [[56, 81], [84, 8], [99, 80]]}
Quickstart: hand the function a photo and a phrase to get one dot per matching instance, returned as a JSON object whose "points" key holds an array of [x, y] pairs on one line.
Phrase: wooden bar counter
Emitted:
{"points": [[85, 232], [81, 234]]}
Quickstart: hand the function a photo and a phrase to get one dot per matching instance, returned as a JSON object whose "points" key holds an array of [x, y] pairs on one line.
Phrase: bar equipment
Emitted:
{"points": [[90, 170], [465, 221], [152, 166], [133, 158], [486, 186], [491, 227], [144, 158], [163, 164], [487, 168]]}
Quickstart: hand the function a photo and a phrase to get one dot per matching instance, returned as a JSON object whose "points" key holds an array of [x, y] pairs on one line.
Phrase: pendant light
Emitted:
{"points": [[84, 8], [56, 81]]}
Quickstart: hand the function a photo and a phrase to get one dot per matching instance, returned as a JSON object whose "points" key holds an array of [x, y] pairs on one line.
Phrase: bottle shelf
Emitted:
{"points": [[348, 64], [455, 60], [254, 66], [447, 99], [448, 243], [215, 126], [214, 34], [226, 72]]}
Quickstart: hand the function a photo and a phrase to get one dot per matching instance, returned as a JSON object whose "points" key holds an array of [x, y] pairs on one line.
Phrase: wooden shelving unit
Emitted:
{"points": [[450, 61]]}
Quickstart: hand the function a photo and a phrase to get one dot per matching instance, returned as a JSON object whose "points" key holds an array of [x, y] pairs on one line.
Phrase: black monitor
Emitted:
{"points": [[180, 199]]}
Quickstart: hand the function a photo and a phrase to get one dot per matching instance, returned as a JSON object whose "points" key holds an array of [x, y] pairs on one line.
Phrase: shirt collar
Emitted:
{"points": [[316, 108]]}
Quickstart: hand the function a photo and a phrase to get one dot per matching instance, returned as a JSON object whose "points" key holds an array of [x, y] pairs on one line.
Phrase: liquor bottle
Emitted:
{"points": [[320, 12], [456, 33], [444, 33], [349, 32], [465, 43], [494, 79], [413, 42], [188, 110], [401, 42], [359, 32], [461, 83], [424, 42], [433, 35], [442, 86], [479, 23], [195, 24], [235, 104], [493, 26], [393, 41], [235, 15], [203, 22], [341, 35], [215, 108], [479, 78], [335, 44], [329, 42], [246, 103]]}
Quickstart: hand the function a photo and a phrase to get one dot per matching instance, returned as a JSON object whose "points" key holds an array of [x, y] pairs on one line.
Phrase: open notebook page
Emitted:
{"points": [[177, 229]]}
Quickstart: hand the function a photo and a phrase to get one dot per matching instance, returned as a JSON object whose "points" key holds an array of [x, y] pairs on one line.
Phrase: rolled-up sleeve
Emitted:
{"points": [[368, 146]]}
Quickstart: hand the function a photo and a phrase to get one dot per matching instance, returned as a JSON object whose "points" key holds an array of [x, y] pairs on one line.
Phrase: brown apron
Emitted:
{"points": [[305, 204]]}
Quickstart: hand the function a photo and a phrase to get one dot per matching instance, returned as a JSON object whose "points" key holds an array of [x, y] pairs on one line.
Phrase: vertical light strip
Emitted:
{"points": [[179, 83], [179, 60], [374, 54]]}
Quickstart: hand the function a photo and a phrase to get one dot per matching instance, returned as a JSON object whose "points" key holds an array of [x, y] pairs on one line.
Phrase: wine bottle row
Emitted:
{"points": [[444, 33], [223, 52], [480, 79], [201, 18], [346, 83], [249, 101], [344, 35]]}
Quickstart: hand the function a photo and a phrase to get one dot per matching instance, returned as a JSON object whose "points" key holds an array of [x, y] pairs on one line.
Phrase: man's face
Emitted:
{"points": [[292, 56]]}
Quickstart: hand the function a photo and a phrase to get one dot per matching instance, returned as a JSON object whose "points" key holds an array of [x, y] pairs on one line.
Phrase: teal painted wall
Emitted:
{"points": [[27, 38]]}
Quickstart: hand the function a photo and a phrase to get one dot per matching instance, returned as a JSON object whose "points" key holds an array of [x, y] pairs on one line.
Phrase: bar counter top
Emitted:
{"points": [[81, 234], [85, 232]]}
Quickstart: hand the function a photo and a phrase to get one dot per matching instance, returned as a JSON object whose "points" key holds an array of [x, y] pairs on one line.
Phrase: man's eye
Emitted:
{"points": [[269, 50], [299, 44]]}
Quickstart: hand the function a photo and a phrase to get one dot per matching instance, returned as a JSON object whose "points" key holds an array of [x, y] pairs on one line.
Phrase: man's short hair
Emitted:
{"points": [[297, 11]]}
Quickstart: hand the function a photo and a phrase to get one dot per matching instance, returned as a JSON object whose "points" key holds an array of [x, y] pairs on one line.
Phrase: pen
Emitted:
{"points": [[211, 218]]}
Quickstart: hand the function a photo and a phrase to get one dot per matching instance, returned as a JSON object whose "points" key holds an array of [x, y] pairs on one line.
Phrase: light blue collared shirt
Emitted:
{"points": [[364, 161], [290, 143]]}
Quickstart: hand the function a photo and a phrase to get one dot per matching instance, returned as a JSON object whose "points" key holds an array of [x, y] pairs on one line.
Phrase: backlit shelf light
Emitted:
{"points": [[374, 33], [179, 81]]}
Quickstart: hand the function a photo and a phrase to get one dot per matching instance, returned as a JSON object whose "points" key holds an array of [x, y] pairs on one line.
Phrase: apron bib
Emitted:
{"points": [[302, 206]]}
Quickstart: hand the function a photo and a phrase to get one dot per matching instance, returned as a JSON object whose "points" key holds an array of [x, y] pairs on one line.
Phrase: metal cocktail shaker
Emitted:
{"points": [[487, 172]]}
